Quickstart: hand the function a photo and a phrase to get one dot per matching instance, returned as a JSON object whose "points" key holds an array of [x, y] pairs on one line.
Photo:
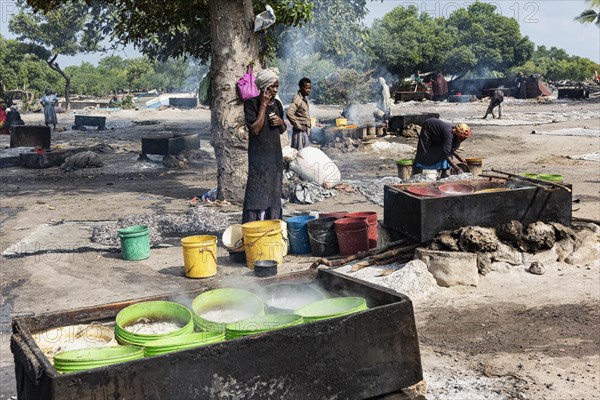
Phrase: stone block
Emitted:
{"points": [[450, 268], [507, 254], [586, 249]]}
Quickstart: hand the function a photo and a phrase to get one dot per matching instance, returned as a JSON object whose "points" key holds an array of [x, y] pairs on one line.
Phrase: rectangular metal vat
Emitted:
{"points": [[422, 218], [360, 356], [81, 121], [170, 145], [31, 136], [398, 123]]}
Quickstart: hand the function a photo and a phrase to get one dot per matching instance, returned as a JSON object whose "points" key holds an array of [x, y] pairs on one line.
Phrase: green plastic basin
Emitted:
{"points": [[529, 175], [182, 342], [214, 309], [284, 298], [153, 311], [407, 161], [261, 324], [82, 359], [551, 178], [332, 308]]}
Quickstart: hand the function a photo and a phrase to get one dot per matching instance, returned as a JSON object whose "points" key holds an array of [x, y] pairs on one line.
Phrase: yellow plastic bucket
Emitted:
{"points": [[284, 237], [263, 241], [199, 256]]}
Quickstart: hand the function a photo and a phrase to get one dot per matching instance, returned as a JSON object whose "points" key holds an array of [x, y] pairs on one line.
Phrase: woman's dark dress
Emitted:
{"points": [[265, 165]]}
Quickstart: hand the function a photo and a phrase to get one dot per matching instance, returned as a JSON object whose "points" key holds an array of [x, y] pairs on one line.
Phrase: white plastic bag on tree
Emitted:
{"points": [[314, 166], [265, 19]]}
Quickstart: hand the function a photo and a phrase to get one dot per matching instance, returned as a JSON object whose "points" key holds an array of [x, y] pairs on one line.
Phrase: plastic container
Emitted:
{"points": [[529, 175], [135, 242], [83, 359], [238, 257], [323, 240], [404, 169], [285, 241], [298, 234], [551, 178], [336, 214], [352, 235], [263, 241], [331, 308], [371, 130], [284, 298], [152, 311], [371, 217], [261, 324], [199, 256], [264, 268], [225, 306], [74, 337], [430, 174], [233, 238], [475, 165], [183, 342]]}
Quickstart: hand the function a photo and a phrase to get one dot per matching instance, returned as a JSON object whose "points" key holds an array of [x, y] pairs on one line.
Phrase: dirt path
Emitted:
{"points": [[516, 335]]}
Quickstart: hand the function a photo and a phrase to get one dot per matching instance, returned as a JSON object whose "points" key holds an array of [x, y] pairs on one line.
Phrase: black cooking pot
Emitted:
{"points": [[264, 268]]}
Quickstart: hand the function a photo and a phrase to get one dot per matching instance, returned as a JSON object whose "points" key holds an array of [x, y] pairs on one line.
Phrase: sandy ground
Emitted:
{"points": [[516, 335]]}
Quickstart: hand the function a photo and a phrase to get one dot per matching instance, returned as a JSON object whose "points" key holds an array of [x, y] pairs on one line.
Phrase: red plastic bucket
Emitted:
{"points": [[337, 214], [352, 235], [372, 221]]}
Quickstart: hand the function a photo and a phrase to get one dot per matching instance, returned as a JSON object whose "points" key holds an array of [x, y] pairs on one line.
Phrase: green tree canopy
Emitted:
{"points": [[406, 41], [474, 38], [21, 70], [556, 64], [61, 31]]}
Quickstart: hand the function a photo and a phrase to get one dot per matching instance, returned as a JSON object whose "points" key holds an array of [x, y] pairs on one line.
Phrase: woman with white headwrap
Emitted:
{"points": [[264, 119]]}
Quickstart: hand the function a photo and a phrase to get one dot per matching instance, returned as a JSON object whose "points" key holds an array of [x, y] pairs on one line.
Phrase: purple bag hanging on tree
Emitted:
{"points": [[246, 85]]}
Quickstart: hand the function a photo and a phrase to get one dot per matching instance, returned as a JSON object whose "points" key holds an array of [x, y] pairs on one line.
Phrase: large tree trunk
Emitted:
{"points": [[233, 45]]}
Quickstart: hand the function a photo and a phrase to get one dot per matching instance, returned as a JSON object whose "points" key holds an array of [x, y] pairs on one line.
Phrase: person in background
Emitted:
{"points": [[384, 101], [520, 86], [13, 117], [264, 118], [495, 101], [49, 102], [113, 101], [439, 87], [299, 116], [3, 117], [438, 144]]}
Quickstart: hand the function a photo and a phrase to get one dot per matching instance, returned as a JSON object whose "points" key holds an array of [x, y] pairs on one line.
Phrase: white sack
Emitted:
{"points": [[314, 166]]}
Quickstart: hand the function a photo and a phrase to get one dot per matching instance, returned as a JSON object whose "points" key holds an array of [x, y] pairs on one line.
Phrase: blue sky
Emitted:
{"points": [[546, 22]]}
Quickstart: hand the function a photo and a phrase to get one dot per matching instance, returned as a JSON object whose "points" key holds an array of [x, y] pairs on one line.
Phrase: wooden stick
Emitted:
{"points": [[395, 252], [532, 180], [358, 256]]}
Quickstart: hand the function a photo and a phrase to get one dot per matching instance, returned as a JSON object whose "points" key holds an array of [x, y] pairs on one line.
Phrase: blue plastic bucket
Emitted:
{"points": [[298, 234]]}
